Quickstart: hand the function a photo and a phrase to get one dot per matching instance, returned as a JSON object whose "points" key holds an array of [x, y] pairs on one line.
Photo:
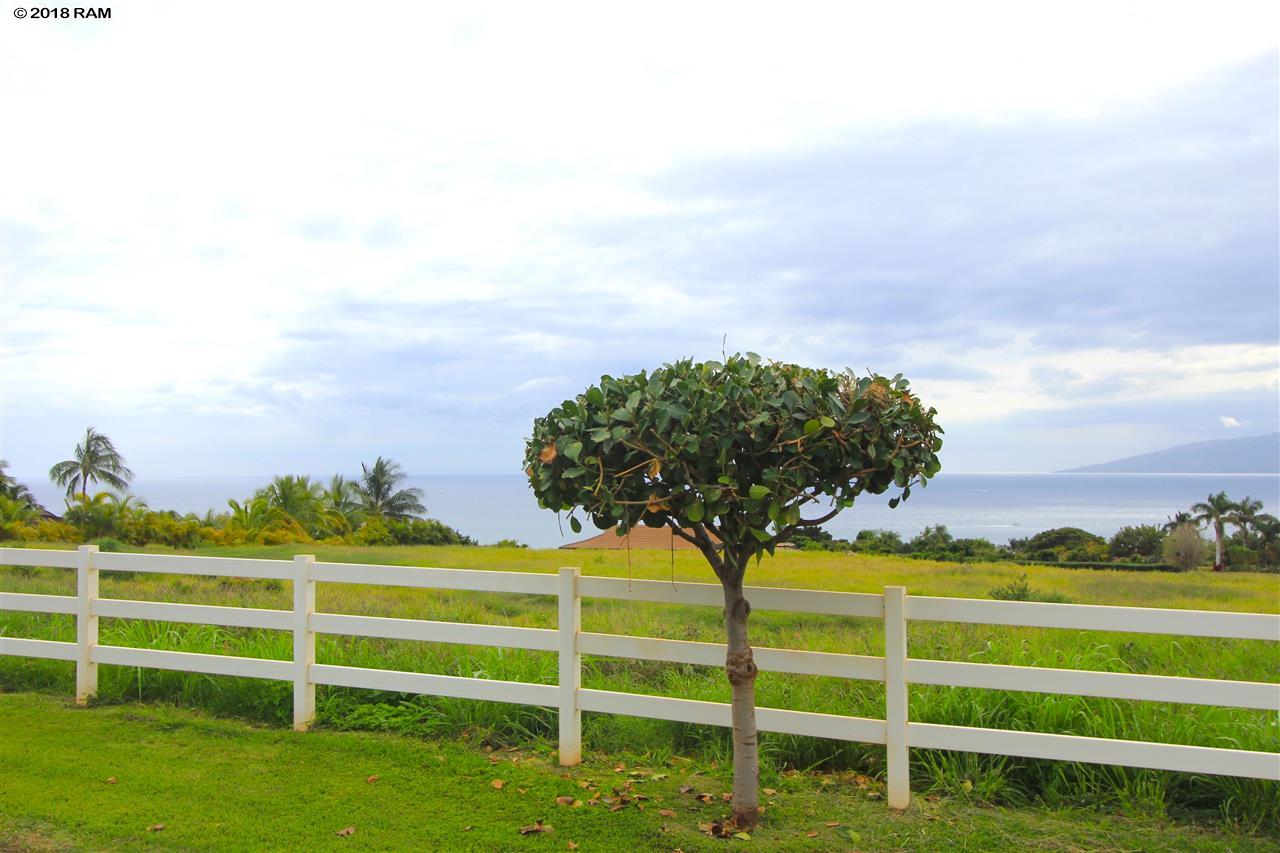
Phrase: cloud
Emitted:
{"points": [[418, 250], [1232, 423]]}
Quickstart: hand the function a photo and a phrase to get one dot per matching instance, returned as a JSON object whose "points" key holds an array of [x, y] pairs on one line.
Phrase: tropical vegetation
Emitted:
{"points": [[1245, 539], [375, 509]]}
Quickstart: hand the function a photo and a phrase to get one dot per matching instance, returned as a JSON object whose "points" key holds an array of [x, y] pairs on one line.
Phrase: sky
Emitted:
{"points": [[265, 238]]}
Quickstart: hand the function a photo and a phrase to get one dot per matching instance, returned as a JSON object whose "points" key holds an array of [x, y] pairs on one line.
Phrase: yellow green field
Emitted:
{"points": [[1249, 804]]}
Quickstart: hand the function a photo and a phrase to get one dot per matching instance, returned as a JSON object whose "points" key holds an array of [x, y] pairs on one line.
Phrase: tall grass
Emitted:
{"points": [[1250, 804]]}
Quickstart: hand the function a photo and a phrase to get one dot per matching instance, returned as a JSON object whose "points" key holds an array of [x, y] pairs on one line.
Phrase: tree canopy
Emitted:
{"points": [[748, 450]]}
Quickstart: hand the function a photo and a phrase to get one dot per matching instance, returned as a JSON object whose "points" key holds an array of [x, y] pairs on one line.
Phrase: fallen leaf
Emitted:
{"points": [[536, 827], [565, 801], [467, 828], [742, 835], [667, 812], [497, 784], [726, 797], [847, 832], [371, 779], [833, 823], [619, 768], [350, 830], [156, 827], [769, 792], [811, 835], [111, 780], [571, 846], [584, 784], [617, 808], [703, 798], [874, 795], [686, 789], [657, 777], [522, 790]]}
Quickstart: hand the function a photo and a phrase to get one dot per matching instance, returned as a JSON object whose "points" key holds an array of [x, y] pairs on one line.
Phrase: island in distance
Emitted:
{"points": [[1256, 454]]}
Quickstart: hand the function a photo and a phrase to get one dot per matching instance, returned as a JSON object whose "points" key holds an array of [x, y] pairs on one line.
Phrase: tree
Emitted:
{"points": [[13, 490], [731, 453], [1140, 542], [296, 497], [1245, 517], [340, 507], [1183, 547], [1267, 528], [96, 459], [380, 496], [1178, 519], [1215, 511], [931, 539]]}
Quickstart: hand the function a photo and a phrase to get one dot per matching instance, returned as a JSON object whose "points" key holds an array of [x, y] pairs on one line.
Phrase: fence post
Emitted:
{"points": [[895, 695], [86, 624], [304, 642], [570, 623]]}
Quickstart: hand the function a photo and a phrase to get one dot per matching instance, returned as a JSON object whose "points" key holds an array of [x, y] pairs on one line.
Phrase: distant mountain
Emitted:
{"points": [[1257, 454]]}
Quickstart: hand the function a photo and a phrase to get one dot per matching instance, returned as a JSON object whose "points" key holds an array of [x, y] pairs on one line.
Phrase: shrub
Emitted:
{"points": [[1144, 543], [508, 543], [1062, 544], [108, 544], [423, 531], [1020, 590], [1185, 548]]}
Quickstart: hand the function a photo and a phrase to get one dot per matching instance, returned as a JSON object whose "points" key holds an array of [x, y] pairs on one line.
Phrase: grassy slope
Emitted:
{"points": [[224, 785]]}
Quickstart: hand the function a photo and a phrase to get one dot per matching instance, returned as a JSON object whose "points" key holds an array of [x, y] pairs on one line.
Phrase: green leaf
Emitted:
{"points": [[575, 525], [828, 421], [813, 425], [761, 535], [849, 833], [775, 510], [573, 450], [696, 511], [758, 492]]}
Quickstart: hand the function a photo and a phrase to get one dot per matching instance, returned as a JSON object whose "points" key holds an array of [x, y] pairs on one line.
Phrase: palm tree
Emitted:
{"points": [[253, 515], [12, 489], [340, 505], [296, 497], [1268, 539], [1215, 511], [96, 458], [1177, 520], [1245, 517], [380, 496]]}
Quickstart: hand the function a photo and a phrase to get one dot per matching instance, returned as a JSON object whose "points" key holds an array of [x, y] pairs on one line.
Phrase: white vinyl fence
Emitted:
{"points": [[895, 668]]}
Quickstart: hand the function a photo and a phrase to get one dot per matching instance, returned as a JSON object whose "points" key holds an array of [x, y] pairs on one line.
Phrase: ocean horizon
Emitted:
{"points": [[994, 506]]}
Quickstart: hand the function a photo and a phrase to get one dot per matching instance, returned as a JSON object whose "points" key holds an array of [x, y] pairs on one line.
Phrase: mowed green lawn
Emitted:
{"points": [[1220, 801], [128, 777]]}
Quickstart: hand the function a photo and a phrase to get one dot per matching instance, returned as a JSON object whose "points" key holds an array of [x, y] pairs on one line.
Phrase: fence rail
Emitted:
{"points": [[895, 669]]}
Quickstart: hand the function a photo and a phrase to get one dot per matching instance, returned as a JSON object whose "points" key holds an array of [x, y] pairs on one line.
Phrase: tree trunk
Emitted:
{"points": [[740, 666], [1217, 553]]}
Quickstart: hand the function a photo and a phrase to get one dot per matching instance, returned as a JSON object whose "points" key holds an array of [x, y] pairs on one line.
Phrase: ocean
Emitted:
{"points": [[997, 507]]}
